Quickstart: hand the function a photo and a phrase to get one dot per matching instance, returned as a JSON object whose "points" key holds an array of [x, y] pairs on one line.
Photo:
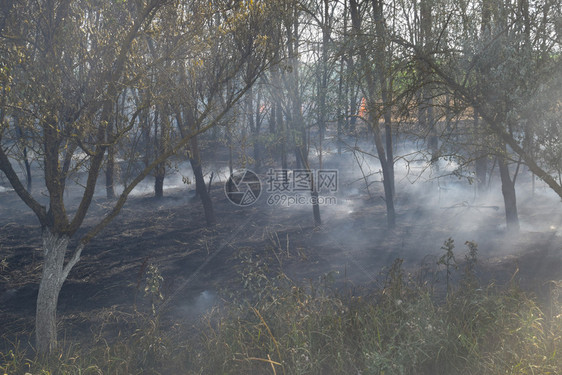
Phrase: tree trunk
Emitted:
{"points": [[54, 249], [203, 193], [481, 164], [297, 121], [257, 153], [381, 70], [282, 129], [109, 173], [253, 119], [230, 137], [27, 169], [195, 161], [159, 148], [481, 170], [159, 181], [509, 197], [427, 120], [388, 180], [342, 95], [299, 160], [277, 124], [352, 114], [20, 135], [257, 139], [433, 137], [316, 207], [200, 186], [323, 76]]}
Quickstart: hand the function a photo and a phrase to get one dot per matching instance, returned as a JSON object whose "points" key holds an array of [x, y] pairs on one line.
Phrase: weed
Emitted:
{"points": [[448, 260]]}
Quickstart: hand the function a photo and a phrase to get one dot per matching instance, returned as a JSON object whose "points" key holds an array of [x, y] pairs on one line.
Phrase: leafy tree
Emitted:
{"points": [[373, 71], [508, 75], [76, 59]]}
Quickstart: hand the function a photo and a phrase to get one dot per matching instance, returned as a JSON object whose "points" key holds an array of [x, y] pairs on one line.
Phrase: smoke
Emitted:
{"points": [[5, 189], [195, 306], [434, 201], [178, 177]]}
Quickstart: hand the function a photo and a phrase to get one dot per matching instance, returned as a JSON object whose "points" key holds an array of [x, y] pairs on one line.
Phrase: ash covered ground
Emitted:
{"points": [[201, 266]]}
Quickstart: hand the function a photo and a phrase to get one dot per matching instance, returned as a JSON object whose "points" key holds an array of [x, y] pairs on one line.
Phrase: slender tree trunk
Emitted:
{"points": [[278, 123], [110, 167], [54, 249], [298, 157], [195, 160], [27, 169], [316, 207], [203, 193], [282, 129], [253, 120], [323, 76], [427, 120], [200, 186], [381, 70], [433, 137], [481, 164], [297, 120], [257, 153], [342, 90], [145, 131], [509, 196], [341, 105], [109, 173], [230, 141], [257, 141], [160, 170], [389, 152], [313, 195], [20, 135], [387, 180], [386, 84], [159, 176], [352, 97]]}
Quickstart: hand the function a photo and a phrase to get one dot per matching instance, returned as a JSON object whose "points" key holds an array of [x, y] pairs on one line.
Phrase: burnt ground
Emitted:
{"points": [[201, 266]]}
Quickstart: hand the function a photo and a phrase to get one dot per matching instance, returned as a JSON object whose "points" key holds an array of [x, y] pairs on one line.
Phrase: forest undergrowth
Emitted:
{"points": [[443, 323]]}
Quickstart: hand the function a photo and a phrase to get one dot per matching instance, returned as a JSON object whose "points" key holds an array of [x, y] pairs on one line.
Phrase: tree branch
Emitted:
{"points": [[21, 191], [182, 143]]}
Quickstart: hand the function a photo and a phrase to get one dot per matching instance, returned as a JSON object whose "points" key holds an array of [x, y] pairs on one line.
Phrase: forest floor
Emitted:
{"points": [[201, 267]]}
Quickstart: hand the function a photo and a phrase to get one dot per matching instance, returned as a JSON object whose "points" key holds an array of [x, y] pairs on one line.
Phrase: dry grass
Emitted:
{"points": [[277, 326]]}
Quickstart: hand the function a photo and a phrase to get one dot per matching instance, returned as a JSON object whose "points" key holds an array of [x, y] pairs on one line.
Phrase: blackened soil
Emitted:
{"points": [[196, 261]]}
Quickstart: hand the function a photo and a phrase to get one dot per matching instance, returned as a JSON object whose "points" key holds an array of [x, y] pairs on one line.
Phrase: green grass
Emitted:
{"points": [[292, 328]]}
